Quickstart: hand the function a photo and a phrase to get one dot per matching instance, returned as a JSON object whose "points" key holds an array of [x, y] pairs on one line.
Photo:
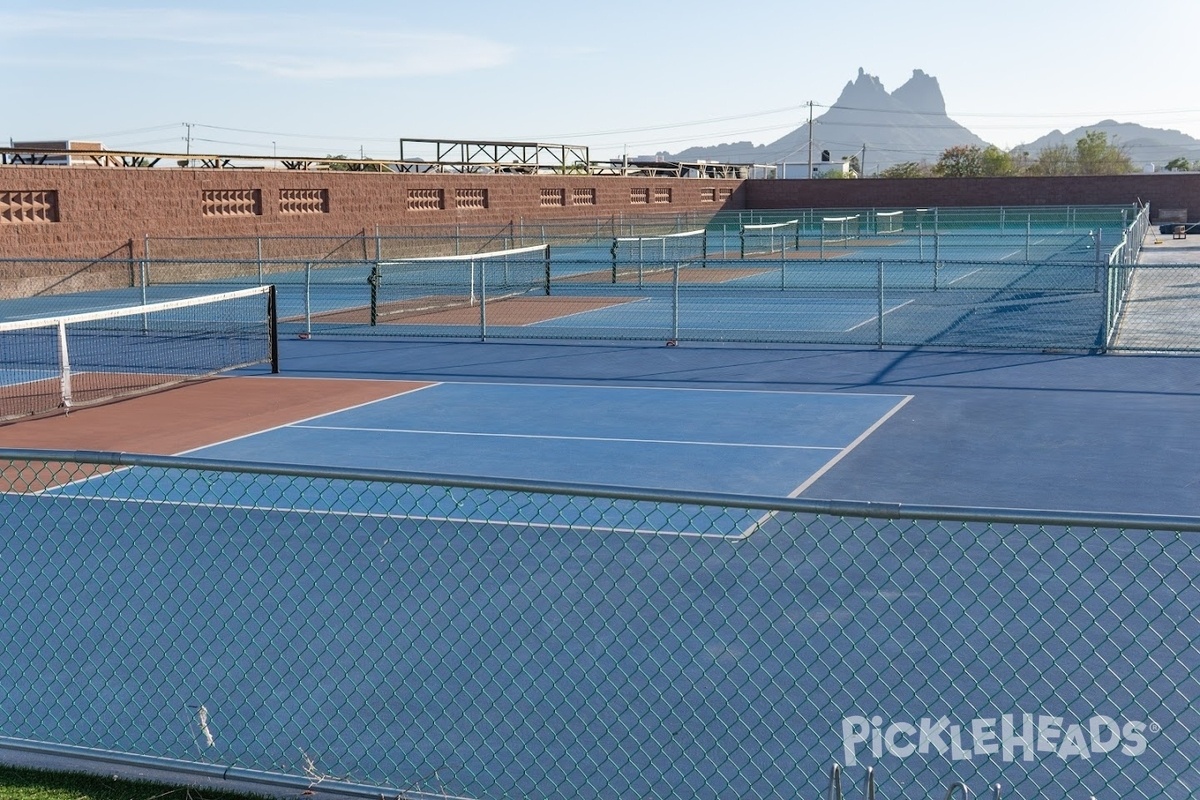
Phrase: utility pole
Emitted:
{"points": [[810, 139]]}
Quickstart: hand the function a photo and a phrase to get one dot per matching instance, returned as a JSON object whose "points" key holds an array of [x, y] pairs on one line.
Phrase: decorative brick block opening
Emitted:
{"points": [[304, 201], [662, 194], [426, 199], [583, 197], [29, 206], [553, 197], [231, 202], [724, 194], [639, 196], [708, 195], [471, 198]]}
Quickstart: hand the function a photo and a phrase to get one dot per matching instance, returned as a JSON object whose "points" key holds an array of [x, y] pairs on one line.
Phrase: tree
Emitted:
{"points": [[1092, 154], [1095, 155], [1178, 164], [1058, 159], [997, 163], [905, 169], [971, 161], [961, 161]]}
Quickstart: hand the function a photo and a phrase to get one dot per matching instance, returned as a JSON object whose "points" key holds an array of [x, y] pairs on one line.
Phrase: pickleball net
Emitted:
{"points": [[839, 230], [769, 238], [889, 223], [58, 363], [411, 287], [636, 255]]}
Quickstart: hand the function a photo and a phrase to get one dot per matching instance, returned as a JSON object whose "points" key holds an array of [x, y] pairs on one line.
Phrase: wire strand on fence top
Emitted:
{"points": [[414, 286], [72, 360]]}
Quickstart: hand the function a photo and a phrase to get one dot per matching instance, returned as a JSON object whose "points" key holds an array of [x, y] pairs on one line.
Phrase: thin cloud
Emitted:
{"points": [[284, 46]]}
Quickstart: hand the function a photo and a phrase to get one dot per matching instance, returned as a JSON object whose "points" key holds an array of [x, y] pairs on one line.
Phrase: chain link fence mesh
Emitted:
{"points": [[485, 639]]}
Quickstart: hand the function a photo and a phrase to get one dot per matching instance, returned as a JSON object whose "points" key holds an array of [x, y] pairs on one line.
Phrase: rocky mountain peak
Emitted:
{"points": [[922, 94], [865, 91], [911, 124]]}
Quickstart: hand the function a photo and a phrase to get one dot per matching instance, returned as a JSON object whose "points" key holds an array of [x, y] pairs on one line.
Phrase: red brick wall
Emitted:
{"points": [[110, 210], [90, 212], [1160, 190]]}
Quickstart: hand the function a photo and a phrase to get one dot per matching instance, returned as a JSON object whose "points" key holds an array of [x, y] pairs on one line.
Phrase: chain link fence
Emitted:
{"points": [[487, 639], [1036, 278], [1044, 279]]}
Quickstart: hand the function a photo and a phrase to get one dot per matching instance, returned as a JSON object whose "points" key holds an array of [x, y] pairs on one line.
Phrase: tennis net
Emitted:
{"points": [[419, 286], [60, 363]]}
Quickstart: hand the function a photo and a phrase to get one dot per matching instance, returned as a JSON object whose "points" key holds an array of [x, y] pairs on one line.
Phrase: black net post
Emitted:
{"points": [[273, 325], [373, 280]]}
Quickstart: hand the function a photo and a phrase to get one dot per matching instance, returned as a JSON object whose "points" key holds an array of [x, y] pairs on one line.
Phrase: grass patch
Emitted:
{"points": [[19, 783]]}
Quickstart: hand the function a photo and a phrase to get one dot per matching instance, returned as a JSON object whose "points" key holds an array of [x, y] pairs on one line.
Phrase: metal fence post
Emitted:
{"points": [[675, 303], [482, 296], [308, 298], [879, 325], [145, 265]]}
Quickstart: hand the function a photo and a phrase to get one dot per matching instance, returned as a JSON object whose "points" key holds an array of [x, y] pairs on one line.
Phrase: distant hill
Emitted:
{"points": [[911, 124], [1147, 148]]}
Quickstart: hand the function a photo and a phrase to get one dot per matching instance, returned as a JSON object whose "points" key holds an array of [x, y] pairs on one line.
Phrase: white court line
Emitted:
{"points": [[622, 440], [862, 437], [56, 491], [103, 475], [584, 311], [49, 375], [330, 512], [965, 276], [307, 419], [706, 389], [875, 317]]}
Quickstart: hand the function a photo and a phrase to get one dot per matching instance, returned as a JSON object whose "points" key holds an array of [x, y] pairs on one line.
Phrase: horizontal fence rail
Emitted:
{"points": [[452, 636]]}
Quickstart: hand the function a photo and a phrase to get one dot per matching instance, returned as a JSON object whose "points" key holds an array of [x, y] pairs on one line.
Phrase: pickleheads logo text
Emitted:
{"points": [[1010, 736]]}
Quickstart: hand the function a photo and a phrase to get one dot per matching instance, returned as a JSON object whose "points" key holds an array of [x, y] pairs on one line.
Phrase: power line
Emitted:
{"points": [[694, 138]]}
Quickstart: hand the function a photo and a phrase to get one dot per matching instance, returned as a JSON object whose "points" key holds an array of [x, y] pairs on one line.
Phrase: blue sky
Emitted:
{"points": [[314, 78]]}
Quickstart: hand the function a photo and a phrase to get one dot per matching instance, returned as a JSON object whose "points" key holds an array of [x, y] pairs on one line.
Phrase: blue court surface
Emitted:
{"points": [[741, 646], [724, 441], [1001, 429], [1053, 431], [749, 442]]}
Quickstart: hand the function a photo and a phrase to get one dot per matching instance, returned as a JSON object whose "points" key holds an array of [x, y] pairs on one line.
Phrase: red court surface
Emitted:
{"points": [[194, 415]]}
